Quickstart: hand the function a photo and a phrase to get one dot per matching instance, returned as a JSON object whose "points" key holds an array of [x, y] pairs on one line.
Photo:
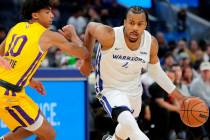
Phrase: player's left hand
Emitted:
{"points": [[36, 84]]}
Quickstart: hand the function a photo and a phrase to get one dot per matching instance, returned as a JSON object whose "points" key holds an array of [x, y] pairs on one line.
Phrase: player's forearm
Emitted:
{"points": [[75, 39], [2, 46], [159, 76], [176, 94], [89, 42], [77, 51], [168, 106]]}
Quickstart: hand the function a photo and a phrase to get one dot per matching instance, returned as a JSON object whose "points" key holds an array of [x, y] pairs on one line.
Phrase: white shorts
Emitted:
{"points": [[111, 98]]}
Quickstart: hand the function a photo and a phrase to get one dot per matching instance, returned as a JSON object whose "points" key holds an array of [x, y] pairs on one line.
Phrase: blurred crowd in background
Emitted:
{"points": [[183, 34]]}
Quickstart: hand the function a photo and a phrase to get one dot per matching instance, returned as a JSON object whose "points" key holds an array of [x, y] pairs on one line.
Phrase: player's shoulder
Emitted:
{"points": [[51, 38], [100, 27], [50, 34], [154, 44], [154, 40], [17, 26], [118, 28]]}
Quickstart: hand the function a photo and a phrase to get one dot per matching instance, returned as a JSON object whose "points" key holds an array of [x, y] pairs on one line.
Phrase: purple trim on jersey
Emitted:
{"points": [[24, 82], [13, 93], [127, 108], [34, 121], [16, 129], [15, 116], [31, 66], [6, 92], [99, 82], [107, 106], [24, 114]]}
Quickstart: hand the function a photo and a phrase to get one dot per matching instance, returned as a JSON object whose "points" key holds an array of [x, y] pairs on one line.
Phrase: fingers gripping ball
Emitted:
{"points": [[194, 112]]}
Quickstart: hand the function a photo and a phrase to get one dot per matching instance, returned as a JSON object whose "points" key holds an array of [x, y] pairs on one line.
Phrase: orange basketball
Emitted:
{"points": [[194, 112]]}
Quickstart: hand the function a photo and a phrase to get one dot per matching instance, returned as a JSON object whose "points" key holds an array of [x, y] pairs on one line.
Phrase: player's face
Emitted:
{"points": [[45, 17], [134, 25]]}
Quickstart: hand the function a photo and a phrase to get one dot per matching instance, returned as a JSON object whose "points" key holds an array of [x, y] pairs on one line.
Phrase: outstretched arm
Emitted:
{"points": [[166, 105], [159, 76], [50, 39]]}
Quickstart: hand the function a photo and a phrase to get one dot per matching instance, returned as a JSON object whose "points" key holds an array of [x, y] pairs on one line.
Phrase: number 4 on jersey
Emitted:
{"points": [[125, 65]]}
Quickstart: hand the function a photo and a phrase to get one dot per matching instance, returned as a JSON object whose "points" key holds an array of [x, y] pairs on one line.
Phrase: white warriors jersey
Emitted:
{"points": [[119, 67]]}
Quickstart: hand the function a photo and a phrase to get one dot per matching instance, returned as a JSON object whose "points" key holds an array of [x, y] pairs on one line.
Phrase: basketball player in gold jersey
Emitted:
{"points": [[24, 48], [4, 63]]}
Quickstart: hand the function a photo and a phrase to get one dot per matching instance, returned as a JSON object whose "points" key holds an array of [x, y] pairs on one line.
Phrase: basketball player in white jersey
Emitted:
{"points": [[122, 54]]}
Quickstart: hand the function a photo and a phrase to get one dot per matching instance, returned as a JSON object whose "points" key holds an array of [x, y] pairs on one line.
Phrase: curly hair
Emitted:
{"points": [[30, 6]]}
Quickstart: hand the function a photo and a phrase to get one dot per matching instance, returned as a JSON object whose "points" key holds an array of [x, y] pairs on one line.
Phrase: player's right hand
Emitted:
{"points": [[68, 31], [4, 63], [36, 84]]}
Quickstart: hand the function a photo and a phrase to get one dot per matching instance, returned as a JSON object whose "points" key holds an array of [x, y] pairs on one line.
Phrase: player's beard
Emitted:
{"points": [[133, 37], [132, 40]]}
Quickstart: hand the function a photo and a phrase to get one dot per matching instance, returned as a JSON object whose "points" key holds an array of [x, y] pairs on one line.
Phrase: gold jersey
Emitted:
{"points": [[24, 55], [23, 52]]}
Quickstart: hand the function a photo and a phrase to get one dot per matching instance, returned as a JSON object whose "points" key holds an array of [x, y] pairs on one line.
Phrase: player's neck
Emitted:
{"points": [[32, 21]]}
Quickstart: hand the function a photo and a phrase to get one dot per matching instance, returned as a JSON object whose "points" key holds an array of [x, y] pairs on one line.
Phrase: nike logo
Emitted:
{"points": [[117, 49], [125, 65], [143, 53]]}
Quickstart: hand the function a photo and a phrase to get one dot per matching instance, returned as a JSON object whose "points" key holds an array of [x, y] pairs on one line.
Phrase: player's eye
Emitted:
{"points": [[132, 23]]}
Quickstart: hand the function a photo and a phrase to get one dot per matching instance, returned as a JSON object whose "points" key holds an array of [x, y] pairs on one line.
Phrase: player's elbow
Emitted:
{"points": [[92, 27]]}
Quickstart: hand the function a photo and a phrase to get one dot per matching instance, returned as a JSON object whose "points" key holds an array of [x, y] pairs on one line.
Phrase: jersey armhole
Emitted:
{"points": [[40, 49], [148, 37], [114, 44]]}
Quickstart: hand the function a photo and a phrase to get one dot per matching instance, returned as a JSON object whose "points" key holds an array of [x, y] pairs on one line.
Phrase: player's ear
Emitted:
{"points": [[145, 23], [34, 15], [124, 21]]}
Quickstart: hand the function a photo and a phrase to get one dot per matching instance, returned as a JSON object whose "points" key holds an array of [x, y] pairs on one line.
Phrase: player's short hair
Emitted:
{"points": [[138, 10], [30, 6]]}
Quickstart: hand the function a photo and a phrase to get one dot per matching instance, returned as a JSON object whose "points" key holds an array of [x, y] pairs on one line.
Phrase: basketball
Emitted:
{"points": [[194, 112]]}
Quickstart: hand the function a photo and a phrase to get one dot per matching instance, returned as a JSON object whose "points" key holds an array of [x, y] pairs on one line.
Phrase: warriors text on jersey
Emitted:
{"points": [[119, 67]]}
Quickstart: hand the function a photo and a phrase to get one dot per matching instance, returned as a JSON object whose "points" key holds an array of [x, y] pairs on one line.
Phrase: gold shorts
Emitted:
{"points": [[17, 109]]}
